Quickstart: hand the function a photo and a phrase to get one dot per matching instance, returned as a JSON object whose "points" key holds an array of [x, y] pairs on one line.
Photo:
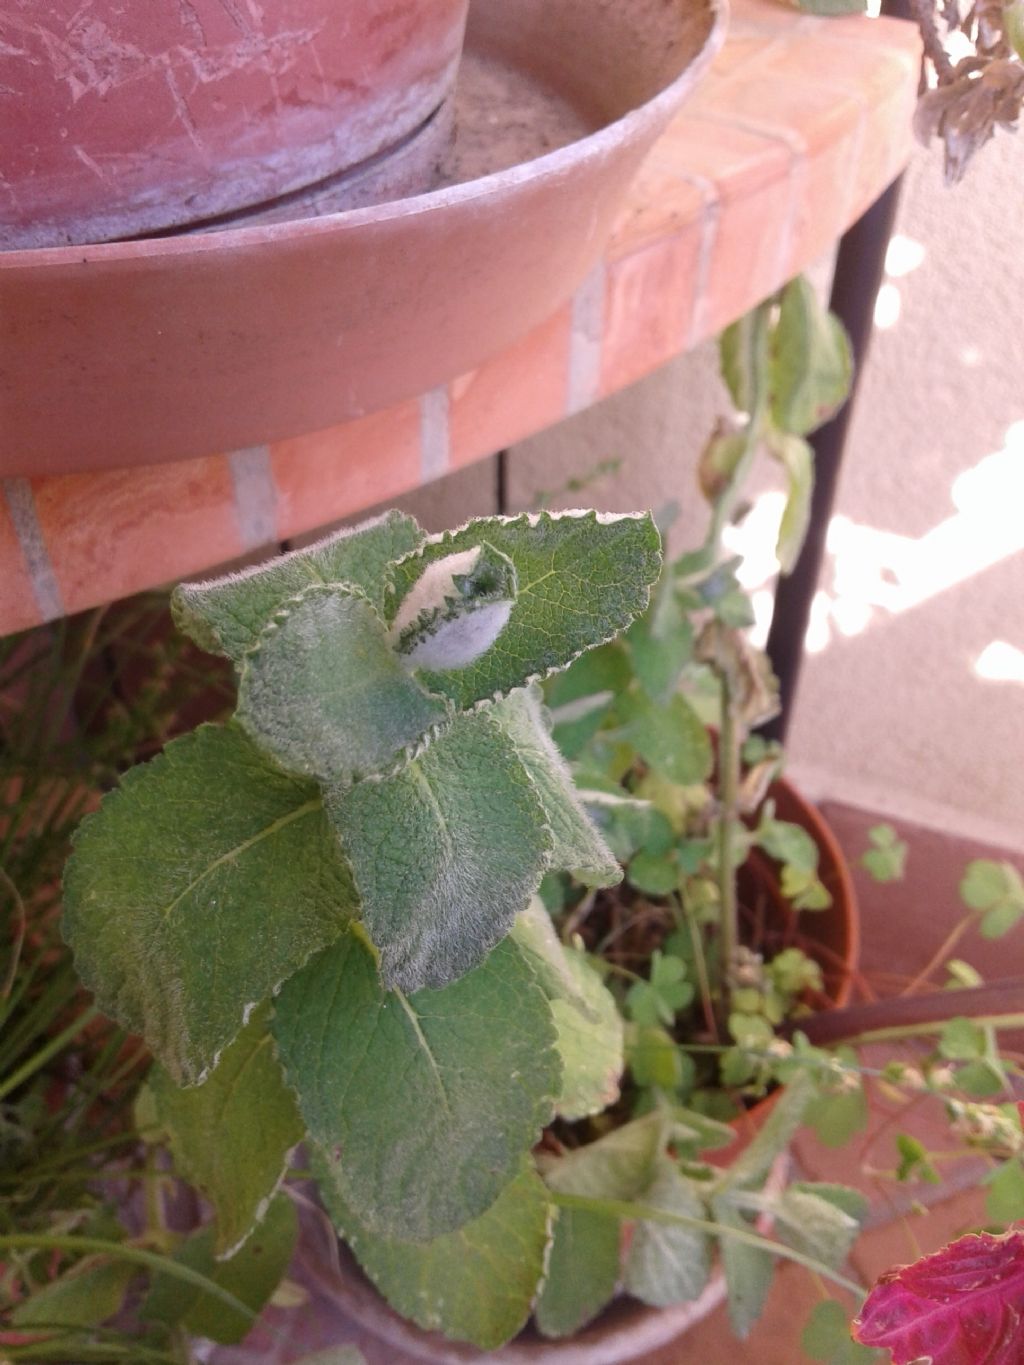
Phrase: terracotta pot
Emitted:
{"points": [[123, 118], [345, 1305], [147, 351]]}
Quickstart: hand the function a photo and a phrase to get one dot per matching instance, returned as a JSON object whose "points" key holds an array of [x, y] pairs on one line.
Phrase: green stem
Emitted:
{"points": [[40, 1058], [150, 1260], [728, 789], [646, 1213]]}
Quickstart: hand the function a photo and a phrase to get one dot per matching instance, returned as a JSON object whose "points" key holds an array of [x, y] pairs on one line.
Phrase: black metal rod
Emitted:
{"points": [[501, 460], [860, 266]]}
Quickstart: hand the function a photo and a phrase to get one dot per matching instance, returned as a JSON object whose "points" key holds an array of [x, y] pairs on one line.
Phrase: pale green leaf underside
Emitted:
{"points": [[475, 1284], [582, 1274], [445, 853], [424, 1105], [813, 1225], [590, 1043], [456, 609], [226, 615], [619, 1166], [797, 458], [325, 694], [811, 366], [577, 845], [203, 882], [581, 579], [748, 1270], [535, 934], [230, 1136], [668, 1265]]}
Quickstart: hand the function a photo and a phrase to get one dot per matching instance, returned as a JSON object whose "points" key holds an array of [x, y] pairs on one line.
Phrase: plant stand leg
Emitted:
{"points": [[860, 265]]}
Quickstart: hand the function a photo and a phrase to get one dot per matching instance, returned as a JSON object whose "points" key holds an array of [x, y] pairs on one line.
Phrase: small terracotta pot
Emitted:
{"points": [[123, 119]]}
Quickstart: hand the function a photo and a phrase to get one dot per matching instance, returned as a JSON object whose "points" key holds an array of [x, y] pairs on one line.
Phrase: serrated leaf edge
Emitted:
{"points": [[533, 519]]}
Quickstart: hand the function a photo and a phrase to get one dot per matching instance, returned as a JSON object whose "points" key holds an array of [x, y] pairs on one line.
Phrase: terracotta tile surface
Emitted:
{"points": [[517, 393], [665, 202], [649, 306], [331, 474], [800, 124], [104, 532]]}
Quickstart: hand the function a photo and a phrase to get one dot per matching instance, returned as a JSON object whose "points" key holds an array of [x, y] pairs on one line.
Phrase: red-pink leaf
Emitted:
{"points": [[962, 1306]]}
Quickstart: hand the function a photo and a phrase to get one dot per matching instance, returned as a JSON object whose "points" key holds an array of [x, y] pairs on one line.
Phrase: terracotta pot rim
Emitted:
{"points": [[548, 166]]}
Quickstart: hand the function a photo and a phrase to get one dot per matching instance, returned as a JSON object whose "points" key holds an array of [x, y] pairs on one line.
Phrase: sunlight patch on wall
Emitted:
{"points": [[903, 255], [875, 574], [1000, 662], [888, 306]]}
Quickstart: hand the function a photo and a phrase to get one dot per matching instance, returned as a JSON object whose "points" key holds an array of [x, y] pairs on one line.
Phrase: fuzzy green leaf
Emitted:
{"points": [[590, 1043], [1004, 1198], [886, 859], [659, 1000], [811, 361], [453, 1086], [656, 874], [827, 1338], [582, 1273], [661, 643], [836, 1118], [743, 356], [788, 843], [325, 694], [334, 1355], [797, 459], [577, 846], [962, 1040], [475, 1284], [227, 615], [199, 886], [816, 1225], [231, 1136], [85, 1296], [751, 1167], [582, 577], [666, 1264], [996, 891], [251, 1276], [619, 1166], [445, 853], [671, 739], [535, 934], [830, 9], [748, 1270]]}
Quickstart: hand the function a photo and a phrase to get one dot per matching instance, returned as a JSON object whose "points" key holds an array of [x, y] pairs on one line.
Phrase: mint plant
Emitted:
{"points": [[307, 912]]}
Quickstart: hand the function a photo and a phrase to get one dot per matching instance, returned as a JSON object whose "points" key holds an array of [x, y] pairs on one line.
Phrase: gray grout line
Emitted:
{"points": [[255, 496], [711, 214], [585, 344], [435, 408], [22, 507]]}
